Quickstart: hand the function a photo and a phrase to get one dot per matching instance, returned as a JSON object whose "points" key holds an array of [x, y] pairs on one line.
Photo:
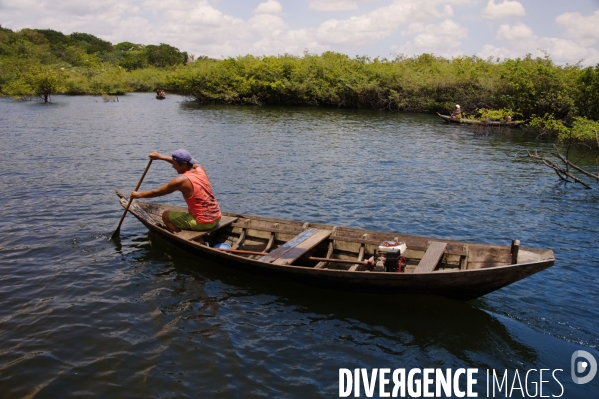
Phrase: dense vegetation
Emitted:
{"points": [[552, 97], [530, 88], [40, 62]]}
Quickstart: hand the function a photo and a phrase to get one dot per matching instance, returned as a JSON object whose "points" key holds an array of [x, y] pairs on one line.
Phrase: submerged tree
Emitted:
{"points": [[45, 81], [38, 81]]}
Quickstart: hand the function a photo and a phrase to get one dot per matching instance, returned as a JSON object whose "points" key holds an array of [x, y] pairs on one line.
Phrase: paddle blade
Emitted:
{"points": [[118, 229], [115, 234]]}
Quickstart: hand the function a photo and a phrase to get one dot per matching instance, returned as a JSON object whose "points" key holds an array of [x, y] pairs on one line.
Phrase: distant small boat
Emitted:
{"points": [[449, 119], [337, 257], [160, 96]]}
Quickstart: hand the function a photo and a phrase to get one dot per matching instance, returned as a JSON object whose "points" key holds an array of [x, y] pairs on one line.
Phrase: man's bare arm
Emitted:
{"points": [[175, 184], [160, 157]]}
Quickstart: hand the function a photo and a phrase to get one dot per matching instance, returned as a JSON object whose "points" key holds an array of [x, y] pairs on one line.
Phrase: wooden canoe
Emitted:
{"points": [[449, 119], [283, 248]]}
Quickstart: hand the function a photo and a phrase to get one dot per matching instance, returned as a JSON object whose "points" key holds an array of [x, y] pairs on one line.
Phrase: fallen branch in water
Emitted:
{"points": [[578, 168], [563, 171], [563, 174]]}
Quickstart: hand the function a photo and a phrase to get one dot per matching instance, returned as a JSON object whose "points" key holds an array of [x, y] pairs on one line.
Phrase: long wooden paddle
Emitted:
{"points": [[118, 229]]}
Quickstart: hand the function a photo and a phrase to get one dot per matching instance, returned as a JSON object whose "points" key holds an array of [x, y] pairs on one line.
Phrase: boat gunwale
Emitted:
{"points": [[338, 234]]}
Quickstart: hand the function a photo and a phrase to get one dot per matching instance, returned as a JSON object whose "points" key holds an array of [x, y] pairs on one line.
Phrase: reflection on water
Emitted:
{"points": [[139, 317]]}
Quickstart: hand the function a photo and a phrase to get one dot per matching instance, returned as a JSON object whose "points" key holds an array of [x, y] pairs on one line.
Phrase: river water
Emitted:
{"points": [[81, 316]]}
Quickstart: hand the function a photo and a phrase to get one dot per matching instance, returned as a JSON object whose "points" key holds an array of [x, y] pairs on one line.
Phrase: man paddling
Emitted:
{"points": [[203, 210]]}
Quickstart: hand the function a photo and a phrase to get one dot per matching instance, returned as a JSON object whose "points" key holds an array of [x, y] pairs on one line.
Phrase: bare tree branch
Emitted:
{"points": [[563, 174], [568, 163]]}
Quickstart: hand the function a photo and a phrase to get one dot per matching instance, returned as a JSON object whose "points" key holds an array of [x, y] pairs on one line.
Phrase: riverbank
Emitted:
{"points": [[559, 98]]}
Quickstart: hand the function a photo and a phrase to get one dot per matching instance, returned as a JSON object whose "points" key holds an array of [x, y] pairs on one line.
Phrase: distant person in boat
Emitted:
{"points": [[203, 210], [457, 112], [508, 118]]}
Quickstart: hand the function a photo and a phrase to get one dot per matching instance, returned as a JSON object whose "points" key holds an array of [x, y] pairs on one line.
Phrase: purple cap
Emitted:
{"points": [[183, 156]]}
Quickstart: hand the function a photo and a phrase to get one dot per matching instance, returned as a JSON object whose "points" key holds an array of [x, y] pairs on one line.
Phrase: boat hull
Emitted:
{"points": [[452, 283], [449, 119]]}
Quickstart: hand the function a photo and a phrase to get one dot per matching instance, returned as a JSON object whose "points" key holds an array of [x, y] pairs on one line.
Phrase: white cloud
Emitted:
{"points": [[379, 23], [491, 51], [196, 27], [267, 25], [290, 42], [522, 40], [413, 29], [134, 29], [579, 27], [269, 7], [362, 29], [441, 39], [506, 9], [68, 7], [561, 51], [203, 27], [335, 5], [66, 16], [445, 35], [517, 32], [354, 30]]}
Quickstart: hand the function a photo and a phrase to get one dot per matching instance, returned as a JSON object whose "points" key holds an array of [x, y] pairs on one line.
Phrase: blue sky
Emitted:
{"points": [[567, 30]]}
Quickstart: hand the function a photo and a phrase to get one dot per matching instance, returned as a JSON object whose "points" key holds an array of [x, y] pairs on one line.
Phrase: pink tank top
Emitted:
{"points": [[202, 203]]}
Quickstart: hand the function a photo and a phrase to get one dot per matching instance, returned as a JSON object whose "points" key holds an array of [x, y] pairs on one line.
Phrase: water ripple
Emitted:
{"points": [[84, 316]]}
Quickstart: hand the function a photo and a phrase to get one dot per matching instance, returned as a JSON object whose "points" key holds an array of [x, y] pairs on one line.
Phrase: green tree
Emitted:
{"points": [[130, 56], [91, 43], [165, 55], [588, 93], [127, 46], [54, 37], [538, 87], [44, 81], [33, 36]]}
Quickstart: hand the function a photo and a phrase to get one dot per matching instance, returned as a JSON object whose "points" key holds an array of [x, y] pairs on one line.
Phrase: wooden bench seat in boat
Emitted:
{"points": [[296, 247], [194, 235], [431, 257]]}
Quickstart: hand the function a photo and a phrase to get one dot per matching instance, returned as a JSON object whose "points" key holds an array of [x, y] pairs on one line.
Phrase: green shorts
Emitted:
{"points": [[185, 221]]}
